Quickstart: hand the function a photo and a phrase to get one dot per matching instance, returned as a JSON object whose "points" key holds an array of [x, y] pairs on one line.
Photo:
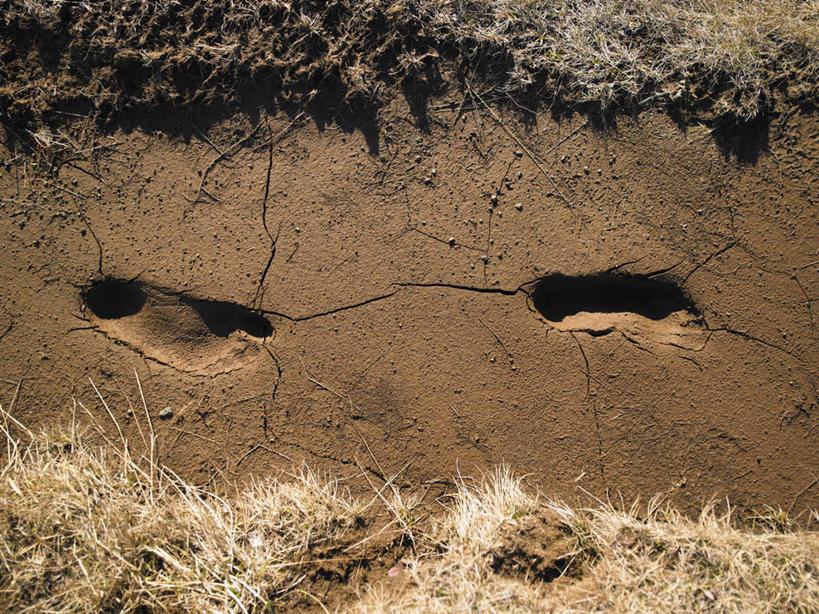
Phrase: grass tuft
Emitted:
{"points": [[92, 529]]}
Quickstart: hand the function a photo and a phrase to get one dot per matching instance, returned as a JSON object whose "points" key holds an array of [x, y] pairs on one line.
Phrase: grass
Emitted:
{"points": [[93, 529], [86, 526], [730, 52], [730, 59]]}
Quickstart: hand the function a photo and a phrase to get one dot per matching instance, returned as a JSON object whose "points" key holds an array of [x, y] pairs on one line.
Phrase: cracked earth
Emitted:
{"points": [[623, 311]]}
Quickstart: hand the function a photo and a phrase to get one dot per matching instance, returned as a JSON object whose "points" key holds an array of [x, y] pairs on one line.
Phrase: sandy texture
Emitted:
{"points": [[349, 300]]}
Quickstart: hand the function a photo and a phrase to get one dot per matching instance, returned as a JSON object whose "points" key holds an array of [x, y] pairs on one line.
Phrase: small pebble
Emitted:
{"points": [[166, 413], [452, 241], [494, 200], [519, 206]]}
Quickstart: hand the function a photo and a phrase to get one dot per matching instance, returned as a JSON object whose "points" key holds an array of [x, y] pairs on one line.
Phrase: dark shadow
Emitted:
{"points": [[744, 141], [111, 299], [521, 563], [559, 296], [223, 318], [418, 88]]}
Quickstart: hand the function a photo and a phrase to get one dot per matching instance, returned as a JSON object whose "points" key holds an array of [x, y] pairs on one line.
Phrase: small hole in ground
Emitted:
{"points": [[222, 319], [559, 296], [112, 299]]}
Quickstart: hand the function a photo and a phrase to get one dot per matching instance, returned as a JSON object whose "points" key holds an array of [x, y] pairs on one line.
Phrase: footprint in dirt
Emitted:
{"points": [[638, 306], [190, 335]]}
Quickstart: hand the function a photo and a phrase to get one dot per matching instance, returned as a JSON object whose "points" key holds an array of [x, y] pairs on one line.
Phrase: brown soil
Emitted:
{"points": [[536, 547], [315, 294]]}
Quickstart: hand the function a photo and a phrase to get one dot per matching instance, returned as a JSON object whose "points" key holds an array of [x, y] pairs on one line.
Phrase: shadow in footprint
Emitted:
{"points": [[222, 319], [558, 296], [112, 299]]}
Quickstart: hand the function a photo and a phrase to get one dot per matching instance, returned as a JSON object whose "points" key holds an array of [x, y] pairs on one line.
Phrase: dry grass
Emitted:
{"points": [[659, 561], [455, 573], [608, 51], [731, 58], [669, 563], [93, 529], [89, 528]]}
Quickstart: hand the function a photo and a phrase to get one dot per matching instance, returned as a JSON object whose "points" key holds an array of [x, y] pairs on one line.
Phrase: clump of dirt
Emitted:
{"points": [[538, 547]]}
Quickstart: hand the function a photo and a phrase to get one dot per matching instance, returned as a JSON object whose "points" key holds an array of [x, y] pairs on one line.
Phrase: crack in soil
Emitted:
{"points": [[750, 337], [451, 286], [8, 329], [330, 311], [401, 285]]}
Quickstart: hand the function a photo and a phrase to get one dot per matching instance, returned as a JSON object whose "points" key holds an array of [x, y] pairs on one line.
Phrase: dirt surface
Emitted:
{"points": [[621, 311]]}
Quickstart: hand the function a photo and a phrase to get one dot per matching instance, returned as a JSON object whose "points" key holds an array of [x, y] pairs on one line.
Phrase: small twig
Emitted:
{"points": [[567, 137], [207, 140], [11, 408], [802, 492], [505, 175], [153, 434], [66, 190], [495, 335], [478, 149], [275, 139], [807, 299], [308, 375], [520, 106], [261, 446], [370, 452], [110, 415], [459, 113], [314, 598]]}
